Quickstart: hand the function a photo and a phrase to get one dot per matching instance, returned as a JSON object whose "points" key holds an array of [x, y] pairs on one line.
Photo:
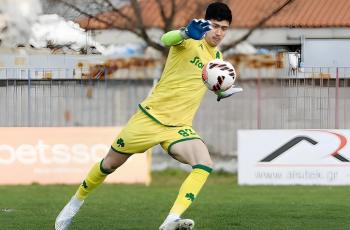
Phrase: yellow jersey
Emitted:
{"points": [[176, 98]]}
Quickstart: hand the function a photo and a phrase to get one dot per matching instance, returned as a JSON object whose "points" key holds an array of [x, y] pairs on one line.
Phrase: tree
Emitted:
{"points": [[130, 18]]}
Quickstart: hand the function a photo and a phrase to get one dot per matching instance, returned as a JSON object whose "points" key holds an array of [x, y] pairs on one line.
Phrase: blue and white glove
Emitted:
{"points": [[196, 29], [229, 92]]}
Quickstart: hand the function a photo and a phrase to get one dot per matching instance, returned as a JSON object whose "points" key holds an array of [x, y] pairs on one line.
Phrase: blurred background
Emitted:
{"points": [[88, 63]]}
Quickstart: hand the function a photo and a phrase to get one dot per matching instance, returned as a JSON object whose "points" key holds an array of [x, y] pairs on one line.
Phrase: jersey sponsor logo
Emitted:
{"points": [[197, 62]]}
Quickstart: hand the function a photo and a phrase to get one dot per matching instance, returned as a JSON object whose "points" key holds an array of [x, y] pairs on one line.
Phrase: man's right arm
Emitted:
{"points": [[173, 37], [196, 29]]}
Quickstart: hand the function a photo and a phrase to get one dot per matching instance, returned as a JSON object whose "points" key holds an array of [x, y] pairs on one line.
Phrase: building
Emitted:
{"points": [[317, 29]]}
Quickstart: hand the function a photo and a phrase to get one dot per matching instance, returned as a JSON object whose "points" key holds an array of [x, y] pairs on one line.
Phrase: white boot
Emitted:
{"points": [[65, 217], [178, 224]]}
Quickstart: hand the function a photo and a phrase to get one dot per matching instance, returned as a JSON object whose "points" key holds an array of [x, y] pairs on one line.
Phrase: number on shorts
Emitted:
{"points": [[186, 132]]}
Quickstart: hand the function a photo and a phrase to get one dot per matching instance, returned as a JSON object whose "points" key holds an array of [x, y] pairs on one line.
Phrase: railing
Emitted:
{"points": [[311, 99]]}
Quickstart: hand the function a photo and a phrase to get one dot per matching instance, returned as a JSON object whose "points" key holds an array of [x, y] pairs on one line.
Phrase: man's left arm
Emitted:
{"points": [[229, 92]]}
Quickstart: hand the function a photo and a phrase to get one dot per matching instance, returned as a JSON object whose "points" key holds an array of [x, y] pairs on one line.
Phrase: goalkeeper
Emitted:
{"points": [[165, 117]]}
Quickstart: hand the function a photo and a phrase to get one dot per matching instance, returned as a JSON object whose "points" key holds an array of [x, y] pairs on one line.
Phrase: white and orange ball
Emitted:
{"points": [[218, 75]]}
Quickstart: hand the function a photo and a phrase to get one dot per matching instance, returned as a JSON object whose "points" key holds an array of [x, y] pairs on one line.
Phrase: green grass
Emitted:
{"points": [[221, 205]]}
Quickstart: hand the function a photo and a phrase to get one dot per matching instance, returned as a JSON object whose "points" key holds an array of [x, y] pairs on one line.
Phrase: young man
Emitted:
{"points": [[165, 117]]}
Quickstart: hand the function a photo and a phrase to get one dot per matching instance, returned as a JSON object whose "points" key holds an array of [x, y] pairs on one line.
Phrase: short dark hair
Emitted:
{"points": [[218, 11]]}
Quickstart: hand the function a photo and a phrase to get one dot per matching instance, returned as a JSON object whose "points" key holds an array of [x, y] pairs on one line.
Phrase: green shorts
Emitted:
{"points": [[142, 133]]}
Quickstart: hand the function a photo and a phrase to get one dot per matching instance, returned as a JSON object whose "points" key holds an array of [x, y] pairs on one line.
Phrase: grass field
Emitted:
{"points": [[221, 205]]}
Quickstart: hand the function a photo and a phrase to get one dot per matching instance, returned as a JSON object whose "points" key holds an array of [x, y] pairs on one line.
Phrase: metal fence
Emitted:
{"points": [[311, 99], [70, 102]]}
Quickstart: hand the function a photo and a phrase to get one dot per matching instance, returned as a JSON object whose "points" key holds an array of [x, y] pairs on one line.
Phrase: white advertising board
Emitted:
{"points": [[285, 157]]}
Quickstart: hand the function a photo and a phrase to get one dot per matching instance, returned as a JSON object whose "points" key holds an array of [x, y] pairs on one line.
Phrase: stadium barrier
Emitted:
{"points": [[292, 157], [310, 98], [63, 155]]}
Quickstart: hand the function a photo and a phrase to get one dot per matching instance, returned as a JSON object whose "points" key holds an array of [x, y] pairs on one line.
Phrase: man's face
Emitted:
{"points": [[215, 36]]}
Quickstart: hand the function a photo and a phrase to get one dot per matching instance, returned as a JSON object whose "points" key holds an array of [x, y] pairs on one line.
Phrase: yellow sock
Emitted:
{"points": [[190, 188], [94, 178]]}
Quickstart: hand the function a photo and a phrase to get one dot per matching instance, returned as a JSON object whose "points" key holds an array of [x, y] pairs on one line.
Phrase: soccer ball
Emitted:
{"points": [[218, 75]]}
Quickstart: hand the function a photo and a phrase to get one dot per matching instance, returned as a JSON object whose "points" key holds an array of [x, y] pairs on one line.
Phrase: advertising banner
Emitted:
{"points": [[284, 157], [63, 156]]}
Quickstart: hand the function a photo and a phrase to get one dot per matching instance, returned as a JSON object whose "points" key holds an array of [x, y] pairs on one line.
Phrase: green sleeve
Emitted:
{"points": [[172, 38]]}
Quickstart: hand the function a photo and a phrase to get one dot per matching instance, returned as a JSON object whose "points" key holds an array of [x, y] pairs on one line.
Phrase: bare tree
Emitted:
{"points": [[129, 18], [122, 19]]}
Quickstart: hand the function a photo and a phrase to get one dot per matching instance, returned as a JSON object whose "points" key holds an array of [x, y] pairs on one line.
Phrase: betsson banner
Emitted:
{"points": [[283, 157], [63, 156]]}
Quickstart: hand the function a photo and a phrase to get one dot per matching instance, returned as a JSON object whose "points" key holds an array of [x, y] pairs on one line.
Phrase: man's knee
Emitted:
{"points": [[206, 162], [114, 160], [201, 157], [192, 152], [109, 165]]}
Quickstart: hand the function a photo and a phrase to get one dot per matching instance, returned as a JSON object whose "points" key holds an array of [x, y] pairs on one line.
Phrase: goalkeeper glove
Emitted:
{"points": [[196, 29], [228, 92]]}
